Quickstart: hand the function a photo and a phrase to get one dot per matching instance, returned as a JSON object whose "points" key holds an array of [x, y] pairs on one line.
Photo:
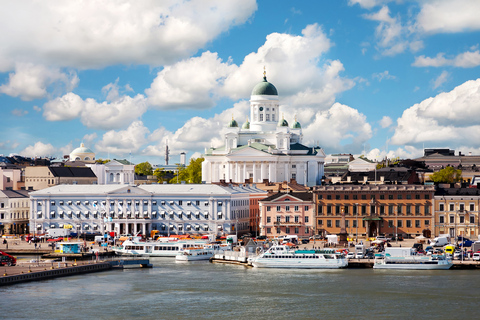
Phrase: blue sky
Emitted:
{"points": [[374, 77]]}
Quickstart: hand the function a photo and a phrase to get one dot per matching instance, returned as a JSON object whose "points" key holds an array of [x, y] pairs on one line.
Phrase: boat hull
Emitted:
{"points": [[416, 265], [292, 264]]}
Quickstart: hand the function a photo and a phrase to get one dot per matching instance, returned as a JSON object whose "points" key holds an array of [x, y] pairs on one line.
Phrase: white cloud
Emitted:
{"points": [[88, 138], [19, 112], [39, 149], [368, 4], [446, 119], [468, 59], [441, 79], [125, 141], [383, 75], [386, 122], [96, 34], [408, 152], [31, 81], [37, 108], [192, 83], [93, 114], [293, 63], [447, 16]]}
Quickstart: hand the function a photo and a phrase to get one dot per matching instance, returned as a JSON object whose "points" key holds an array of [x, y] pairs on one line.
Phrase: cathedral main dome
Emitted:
{"points": [[264, 88]]}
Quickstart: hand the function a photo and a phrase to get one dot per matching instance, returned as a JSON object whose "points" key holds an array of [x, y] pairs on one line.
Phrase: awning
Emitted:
{"points": [[52, 226], [219, 227], [39, 225], [372, 219], [60, 225]]}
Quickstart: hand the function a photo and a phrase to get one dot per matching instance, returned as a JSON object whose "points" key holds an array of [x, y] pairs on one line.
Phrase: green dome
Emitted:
{"points": [[233, 124], [296, 125], [246, 125], [264, 88], [283, 123]]}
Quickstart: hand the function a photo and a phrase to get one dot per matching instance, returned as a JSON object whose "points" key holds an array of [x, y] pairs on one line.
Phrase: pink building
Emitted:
{"points": [[287, 214]]}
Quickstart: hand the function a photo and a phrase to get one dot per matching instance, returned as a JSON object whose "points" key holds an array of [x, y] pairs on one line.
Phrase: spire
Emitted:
{"points": [[264, 74]]}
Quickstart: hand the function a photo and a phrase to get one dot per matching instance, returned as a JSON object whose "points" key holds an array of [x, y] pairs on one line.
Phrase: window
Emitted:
{"points": [[452, 218], [306, 219], [296, 208], [278, 230], [306, 208], [269, 208], [417, 223], [382, 209], [294, 166], [462, 207], [462, 219], [287, 230], [417, 196], [345, 209], [382, 197], [320, 209], [287, 208], [427, 209], [472, 207], [399, 209], [320, 222], [409, 223], [278, 208], [347, 225], [320, 197], [337, 209], [417, 209], [400, 224], [269, 230], [390, 197], [399, 197], [354, 223], [364, 197], [364, 209], [441, 219], [337, 223], [472, 218], [296, 219], [441, 207], [287, 219], [390, 223], [452, 207], [269, 219], [329, 223], [337, 197], [409, 196], [329, 197], [329, 209], [427, 196], [355, 197], [345, 197], [354, 210], [409, 209], [279, 218]]}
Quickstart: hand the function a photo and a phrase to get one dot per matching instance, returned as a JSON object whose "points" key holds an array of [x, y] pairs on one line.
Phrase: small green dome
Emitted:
{"points": [[296, 125], [282, 123], [233, 123], [264, 88], [246, 125]]}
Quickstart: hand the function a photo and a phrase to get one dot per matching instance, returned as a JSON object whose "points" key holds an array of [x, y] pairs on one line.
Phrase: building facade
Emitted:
{"points": [[130, 209], [41, 177], [372, 210], [287, 214], [114, 172], [456, 212], [14, 212], [267, 149]]}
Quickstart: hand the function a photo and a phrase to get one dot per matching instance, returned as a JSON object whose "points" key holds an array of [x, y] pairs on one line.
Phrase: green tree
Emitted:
{"points": [[144, 168], [447, 175], [161, 174], [101, 161], [191, 173]]}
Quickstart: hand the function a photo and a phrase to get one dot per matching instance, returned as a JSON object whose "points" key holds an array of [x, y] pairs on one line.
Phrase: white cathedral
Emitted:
{"points": [[265, 149]]}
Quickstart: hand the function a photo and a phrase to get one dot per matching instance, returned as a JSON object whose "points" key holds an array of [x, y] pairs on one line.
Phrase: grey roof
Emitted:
{"points": [[74, 172], [304, 196], [15, 193]]}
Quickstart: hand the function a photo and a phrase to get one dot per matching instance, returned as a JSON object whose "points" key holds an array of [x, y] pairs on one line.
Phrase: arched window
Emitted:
{"points": [[111, 177]]}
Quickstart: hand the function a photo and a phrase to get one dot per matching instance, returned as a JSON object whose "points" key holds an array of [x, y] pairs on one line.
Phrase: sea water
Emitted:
{"points": [[203, 290]]}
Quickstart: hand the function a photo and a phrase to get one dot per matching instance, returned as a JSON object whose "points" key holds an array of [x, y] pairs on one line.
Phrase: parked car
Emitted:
{"points": [[381, 238], [438, 251], [476, 256], [305, 241], [370, 255], [351, 255], [457, 255], [359, 255], [429, 249]]}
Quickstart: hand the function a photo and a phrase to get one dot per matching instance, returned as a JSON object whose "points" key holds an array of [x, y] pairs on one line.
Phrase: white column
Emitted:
{"points": [[297, 172], [305, 173], [262, 171], [227, 171], [287, 174], [244, 171], [254, 172], [270, 173], [275, 179]]}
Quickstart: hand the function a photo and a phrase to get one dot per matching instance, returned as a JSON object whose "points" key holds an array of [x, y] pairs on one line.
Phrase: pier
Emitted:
{"points": [[54, 269]]}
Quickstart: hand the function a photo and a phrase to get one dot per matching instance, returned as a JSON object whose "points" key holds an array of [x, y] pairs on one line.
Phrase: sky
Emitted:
{"points": [[382, 78]]}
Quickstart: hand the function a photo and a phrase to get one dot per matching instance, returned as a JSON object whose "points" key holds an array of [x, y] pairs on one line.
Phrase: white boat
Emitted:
{"points": [[282, 256], [433, 262], [405, 258], [157, 248], [201, 253]]}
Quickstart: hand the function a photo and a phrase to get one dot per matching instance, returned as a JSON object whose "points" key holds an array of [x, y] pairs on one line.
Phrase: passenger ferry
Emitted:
{"points": [[400, 258], [157, 248], [281, 256]]}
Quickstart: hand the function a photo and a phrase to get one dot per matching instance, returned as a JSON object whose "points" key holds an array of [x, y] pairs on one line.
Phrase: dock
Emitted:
{"points": [[54, 269]]}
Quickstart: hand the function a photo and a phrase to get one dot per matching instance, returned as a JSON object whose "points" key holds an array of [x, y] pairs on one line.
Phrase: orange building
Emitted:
{"points": [[372, 210]]}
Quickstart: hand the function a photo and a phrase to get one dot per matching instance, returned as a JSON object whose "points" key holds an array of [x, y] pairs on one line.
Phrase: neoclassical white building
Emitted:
{"points": [[114, 172], [169, 208], [266, 148], [82, 153]]}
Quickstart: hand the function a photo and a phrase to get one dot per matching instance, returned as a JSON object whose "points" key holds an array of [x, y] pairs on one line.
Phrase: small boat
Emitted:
{"points": [[399, 258], [282, 256], [200, 253]]}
